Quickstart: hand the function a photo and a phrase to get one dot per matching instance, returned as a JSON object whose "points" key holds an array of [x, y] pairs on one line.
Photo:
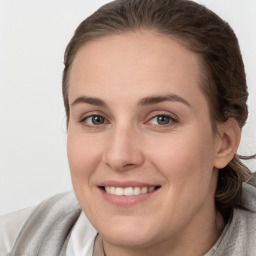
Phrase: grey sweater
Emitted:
{"points": [[240, 237], [46, 232]]}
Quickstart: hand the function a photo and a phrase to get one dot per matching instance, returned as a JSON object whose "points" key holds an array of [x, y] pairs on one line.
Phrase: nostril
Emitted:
{"points": [[128, 165]]}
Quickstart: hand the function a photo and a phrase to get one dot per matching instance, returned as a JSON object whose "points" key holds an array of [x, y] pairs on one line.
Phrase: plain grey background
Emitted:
{"points": [[33, 37]]}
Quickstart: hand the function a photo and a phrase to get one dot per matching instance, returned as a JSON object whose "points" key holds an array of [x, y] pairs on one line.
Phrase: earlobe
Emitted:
{"points": [[229, 138]]}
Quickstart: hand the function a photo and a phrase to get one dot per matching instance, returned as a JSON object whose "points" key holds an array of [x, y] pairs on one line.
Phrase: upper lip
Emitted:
{"points": [[125, 184]]}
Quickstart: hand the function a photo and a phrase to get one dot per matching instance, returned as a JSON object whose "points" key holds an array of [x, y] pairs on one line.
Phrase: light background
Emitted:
{"points": [[33, 36]]}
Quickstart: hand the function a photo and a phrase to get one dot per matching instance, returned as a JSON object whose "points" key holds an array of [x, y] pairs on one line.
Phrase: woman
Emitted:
{"points": [[155, 97]]}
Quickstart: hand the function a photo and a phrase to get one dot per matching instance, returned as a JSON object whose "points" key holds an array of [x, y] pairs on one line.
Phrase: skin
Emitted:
{"points": [[181, 156]]}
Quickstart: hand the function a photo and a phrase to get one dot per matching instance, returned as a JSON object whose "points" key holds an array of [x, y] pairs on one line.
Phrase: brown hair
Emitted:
{"points": [[196, 28]]}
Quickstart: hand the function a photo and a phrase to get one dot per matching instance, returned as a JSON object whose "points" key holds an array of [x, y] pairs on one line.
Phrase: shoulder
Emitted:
{"points": [[23, 226], [10, 225], [240, 237], [249, 197]]}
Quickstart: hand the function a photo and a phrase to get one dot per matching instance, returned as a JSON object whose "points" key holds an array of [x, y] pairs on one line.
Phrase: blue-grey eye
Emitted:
{"points": [[161, 120], [95, 120]]}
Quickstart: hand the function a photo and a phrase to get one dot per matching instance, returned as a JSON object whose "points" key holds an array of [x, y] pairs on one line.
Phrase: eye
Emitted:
{"points": [[162, 120], [94, 120]]}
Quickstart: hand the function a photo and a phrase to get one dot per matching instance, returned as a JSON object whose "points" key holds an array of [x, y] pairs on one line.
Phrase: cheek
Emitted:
{"points": [[185, 157], [83, 156]]}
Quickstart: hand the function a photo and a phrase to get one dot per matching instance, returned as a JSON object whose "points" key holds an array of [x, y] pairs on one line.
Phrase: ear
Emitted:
{"points": [[229, 138]]}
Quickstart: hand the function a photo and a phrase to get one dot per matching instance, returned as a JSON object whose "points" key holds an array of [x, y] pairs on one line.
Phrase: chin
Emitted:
{"points": [[128, 239], [132, 234]]}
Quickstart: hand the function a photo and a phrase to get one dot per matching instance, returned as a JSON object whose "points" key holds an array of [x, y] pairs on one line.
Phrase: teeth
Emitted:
{"points": [[151, 189], [130, 191], [136, 191], [112, 190], [108, 189], [119, 191], [144, 190]]}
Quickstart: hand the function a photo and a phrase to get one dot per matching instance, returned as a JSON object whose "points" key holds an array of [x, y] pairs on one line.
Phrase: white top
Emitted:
{"points": [[80, 242]]}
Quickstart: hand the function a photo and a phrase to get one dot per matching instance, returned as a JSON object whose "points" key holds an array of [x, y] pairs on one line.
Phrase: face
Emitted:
{"points": [[140, 143]]}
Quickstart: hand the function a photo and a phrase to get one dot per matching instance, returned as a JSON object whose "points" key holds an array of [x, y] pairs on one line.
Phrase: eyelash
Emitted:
{"points": [[83, 120], [171, 120]]}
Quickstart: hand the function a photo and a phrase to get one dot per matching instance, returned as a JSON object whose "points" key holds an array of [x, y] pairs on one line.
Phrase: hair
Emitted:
{"points": [[203, 32]]}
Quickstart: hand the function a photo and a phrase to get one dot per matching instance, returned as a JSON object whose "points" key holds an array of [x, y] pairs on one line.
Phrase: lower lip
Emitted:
{"points": [[126, 200]]}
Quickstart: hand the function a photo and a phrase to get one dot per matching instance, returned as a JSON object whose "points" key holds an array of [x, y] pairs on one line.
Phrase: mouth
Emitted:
{"points": [[129, 191]]}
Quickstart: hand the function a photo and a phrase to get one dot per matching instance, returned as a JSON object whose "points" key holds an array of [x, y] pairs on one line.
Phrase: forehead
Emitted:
{"points": [[134, 61]]}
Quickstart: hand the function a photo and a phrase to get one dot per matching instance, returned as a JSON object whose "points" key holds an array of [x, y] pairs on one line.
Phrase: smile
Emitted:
{"points": [[129, 191]]}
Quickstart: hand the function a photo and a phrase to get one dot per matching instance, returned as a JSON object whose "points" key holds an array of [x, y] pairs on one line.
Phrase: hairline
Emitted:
{"points": [[204, 77]]}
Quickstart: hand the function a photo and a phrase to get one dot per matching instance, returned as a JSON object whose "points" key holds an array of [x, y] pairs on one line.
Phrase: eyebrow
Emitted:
{"points": [[161, 98], [89, 100], [151, 100]]}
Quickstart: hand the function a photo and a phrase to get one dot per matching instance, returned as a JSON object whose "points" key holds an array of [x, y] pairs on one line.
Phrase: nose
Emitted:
{"points": [[123, 150]]}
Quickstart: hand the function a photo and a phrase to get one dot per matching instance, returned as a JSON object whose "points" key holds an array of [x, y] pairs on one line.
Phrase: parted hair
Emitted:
{"points": [[200, 30]]}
